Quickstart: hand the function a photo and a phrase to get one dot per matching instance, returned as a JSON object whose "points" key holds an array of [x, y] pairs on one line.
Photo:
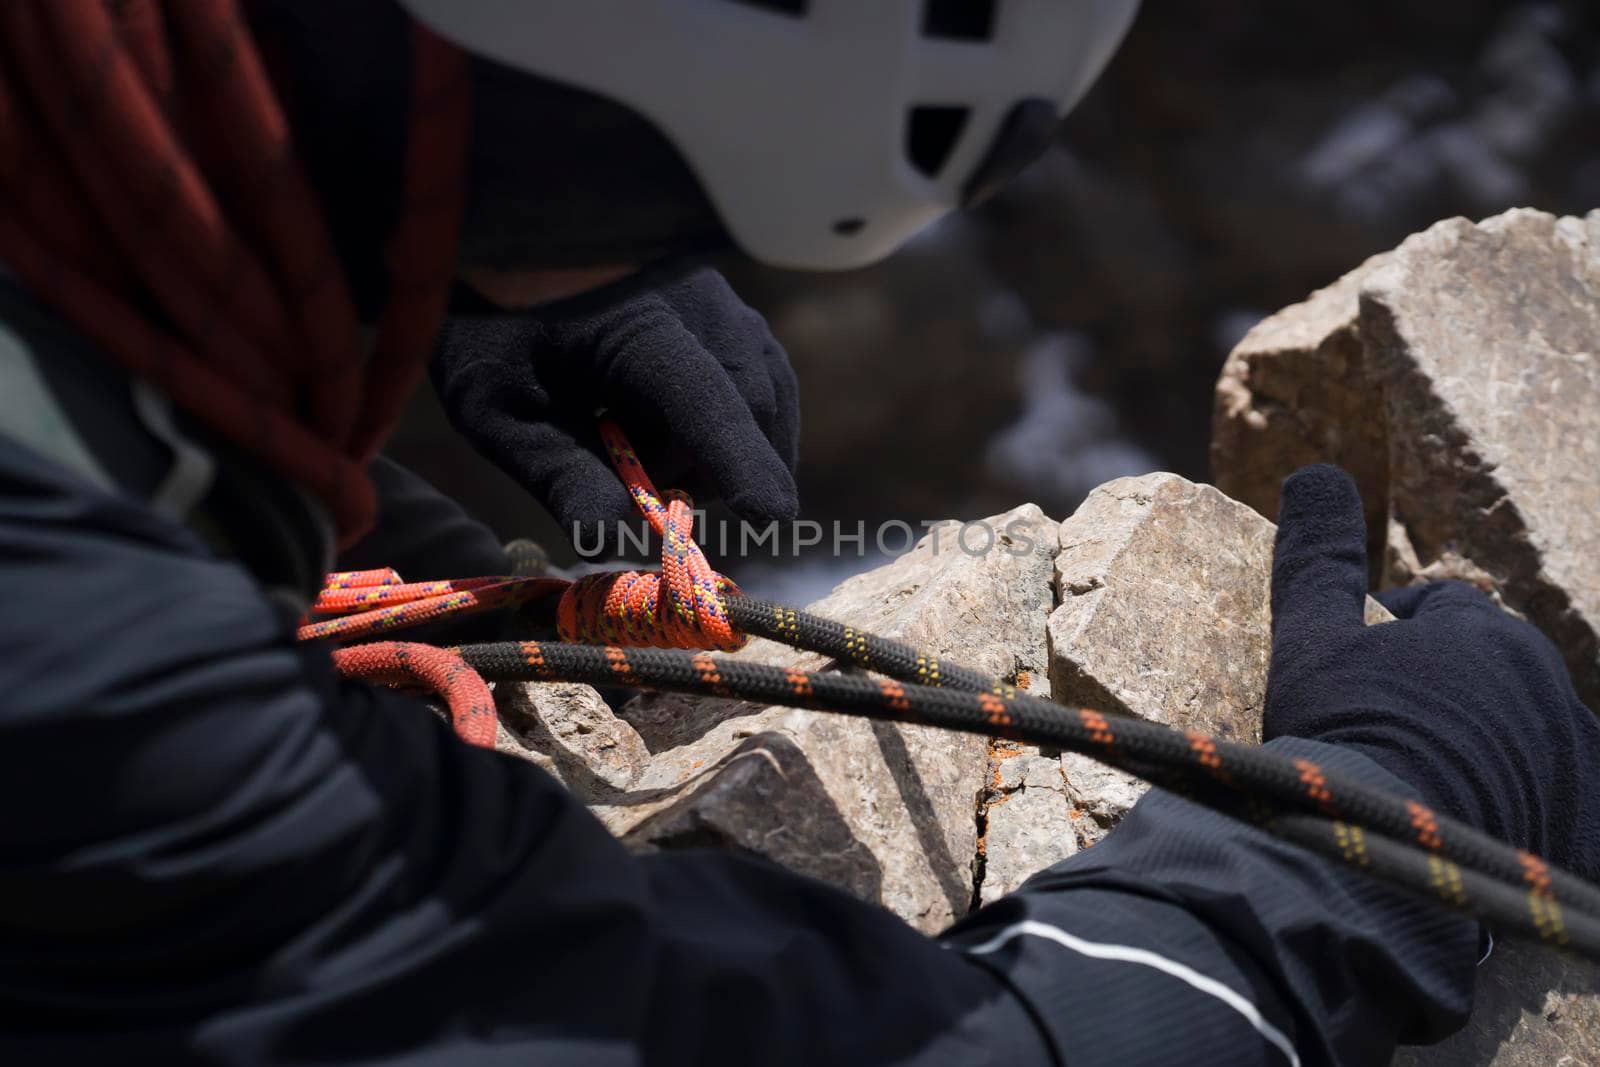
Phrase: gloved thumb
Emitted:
{"points": [[1319, 565]]}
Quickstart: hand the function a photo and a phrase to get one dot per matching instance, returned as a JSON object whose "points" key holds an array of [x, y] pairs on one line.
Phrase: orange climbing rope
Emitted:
{"points": [[679, 607], [407, 663]]}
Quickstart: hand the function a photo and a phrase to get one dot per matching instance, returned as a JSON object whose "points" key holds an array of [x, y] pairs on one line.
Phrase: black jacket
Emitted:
{"points": [[215, 851]]}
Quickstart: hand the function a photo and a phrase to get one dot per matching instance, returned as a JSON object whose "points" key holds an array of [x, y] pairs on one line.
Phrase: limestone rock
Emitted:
{"points": [[1099, 796], [1295, 391], [1165, 614], [1165, 606], [1534, 1009], [1486, 341], [768, 782], [889, 811], [1458, 379], [570, 731], [1027, 819]]}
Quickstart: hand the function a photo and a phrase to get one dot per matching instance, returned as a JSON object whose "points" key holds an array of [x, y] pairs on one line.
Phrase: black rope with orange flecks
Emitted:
{"points": [[1392, 838]]}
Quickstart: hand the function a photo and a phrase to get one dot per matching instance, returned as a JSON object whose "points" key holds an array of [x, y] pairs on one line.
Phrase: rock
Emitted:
{"points": [[1165, 614], [1295, 391], [1099, 796], [891, 812], [1027, 819], [1483, 338], [1165, 606], [1457, 379], [1534, 1009], [768, 782], [571, 732]]}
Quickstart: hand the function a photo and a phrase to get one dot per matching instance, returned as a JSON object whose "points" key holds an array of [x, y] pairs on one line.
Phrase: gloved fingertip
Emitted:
{"points": [[1319, 566], [592, 511], [768, 493], [1319, 490], [767, 505]]}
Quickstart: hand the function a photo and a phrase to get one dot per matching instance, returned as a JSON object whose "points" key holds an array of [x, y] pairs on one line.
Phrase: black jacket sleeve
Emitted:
{"points": [[1189, 937], [422, 533]]}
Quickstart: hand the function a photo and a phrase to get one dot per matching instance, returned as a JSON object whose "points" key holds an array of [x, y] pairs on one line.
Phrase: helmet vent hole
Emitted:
{"points": [[931, 136], [849, 227], [796, 8], [959, 20]]}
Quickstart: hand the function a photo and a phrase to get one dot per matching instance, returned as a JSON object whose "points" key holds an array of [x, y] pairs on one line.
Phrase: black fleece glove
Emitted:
{"points": [[692, 375], [1468, 704]]}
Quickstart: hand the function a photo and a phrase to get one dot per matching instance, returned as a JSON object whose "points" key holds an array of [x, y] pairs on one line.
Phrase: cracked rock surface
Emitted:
{"points": [[1027, 818], [1458, 379], [1486, 339], [889, 812], [1165, 606]]}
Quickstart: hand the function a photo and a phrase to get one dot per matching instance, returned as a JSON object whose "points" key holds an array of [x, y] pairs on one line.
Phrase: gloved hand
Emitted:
{"points": [[692, 375], [1468, 704]]}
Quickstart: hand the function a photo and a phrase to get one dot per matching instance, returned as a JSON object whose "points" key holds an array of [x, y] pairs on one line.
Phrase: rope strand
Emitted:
{"points": [[1302, 802]]}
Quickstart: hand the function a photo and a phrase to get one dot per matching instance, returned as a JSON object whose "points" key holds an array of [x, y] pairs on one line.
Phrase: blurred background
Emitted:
{"points": [[1235, 156]]}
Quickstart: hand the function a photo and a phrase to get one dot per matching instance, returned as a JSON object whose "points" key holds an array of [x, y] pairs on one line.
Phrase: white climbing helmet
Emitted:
{"points": [[825, 132]]}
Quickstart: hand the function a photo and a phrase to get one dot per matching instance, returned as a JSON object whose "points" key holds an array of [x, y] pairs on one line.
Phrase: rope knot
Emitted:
{"points": [[638, 609], [678, 607], [681, 607]]}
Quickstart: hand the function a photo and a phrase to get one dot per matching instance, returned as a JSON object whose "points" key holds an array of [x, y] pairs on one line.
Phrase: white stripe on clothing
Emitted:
{"points": [[1146, 958]]}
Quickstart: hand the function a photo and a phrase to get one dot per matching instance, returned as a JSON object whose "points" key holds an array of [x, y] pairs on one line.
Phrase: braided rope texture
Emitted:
{"points": [[682, 606], [466, 694], [1394, 838]]}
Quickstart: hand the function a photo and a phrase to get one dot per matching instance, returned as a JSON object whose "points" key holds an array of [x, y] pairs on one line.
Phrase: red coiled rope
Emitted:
{"points": [[150, 191]]}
